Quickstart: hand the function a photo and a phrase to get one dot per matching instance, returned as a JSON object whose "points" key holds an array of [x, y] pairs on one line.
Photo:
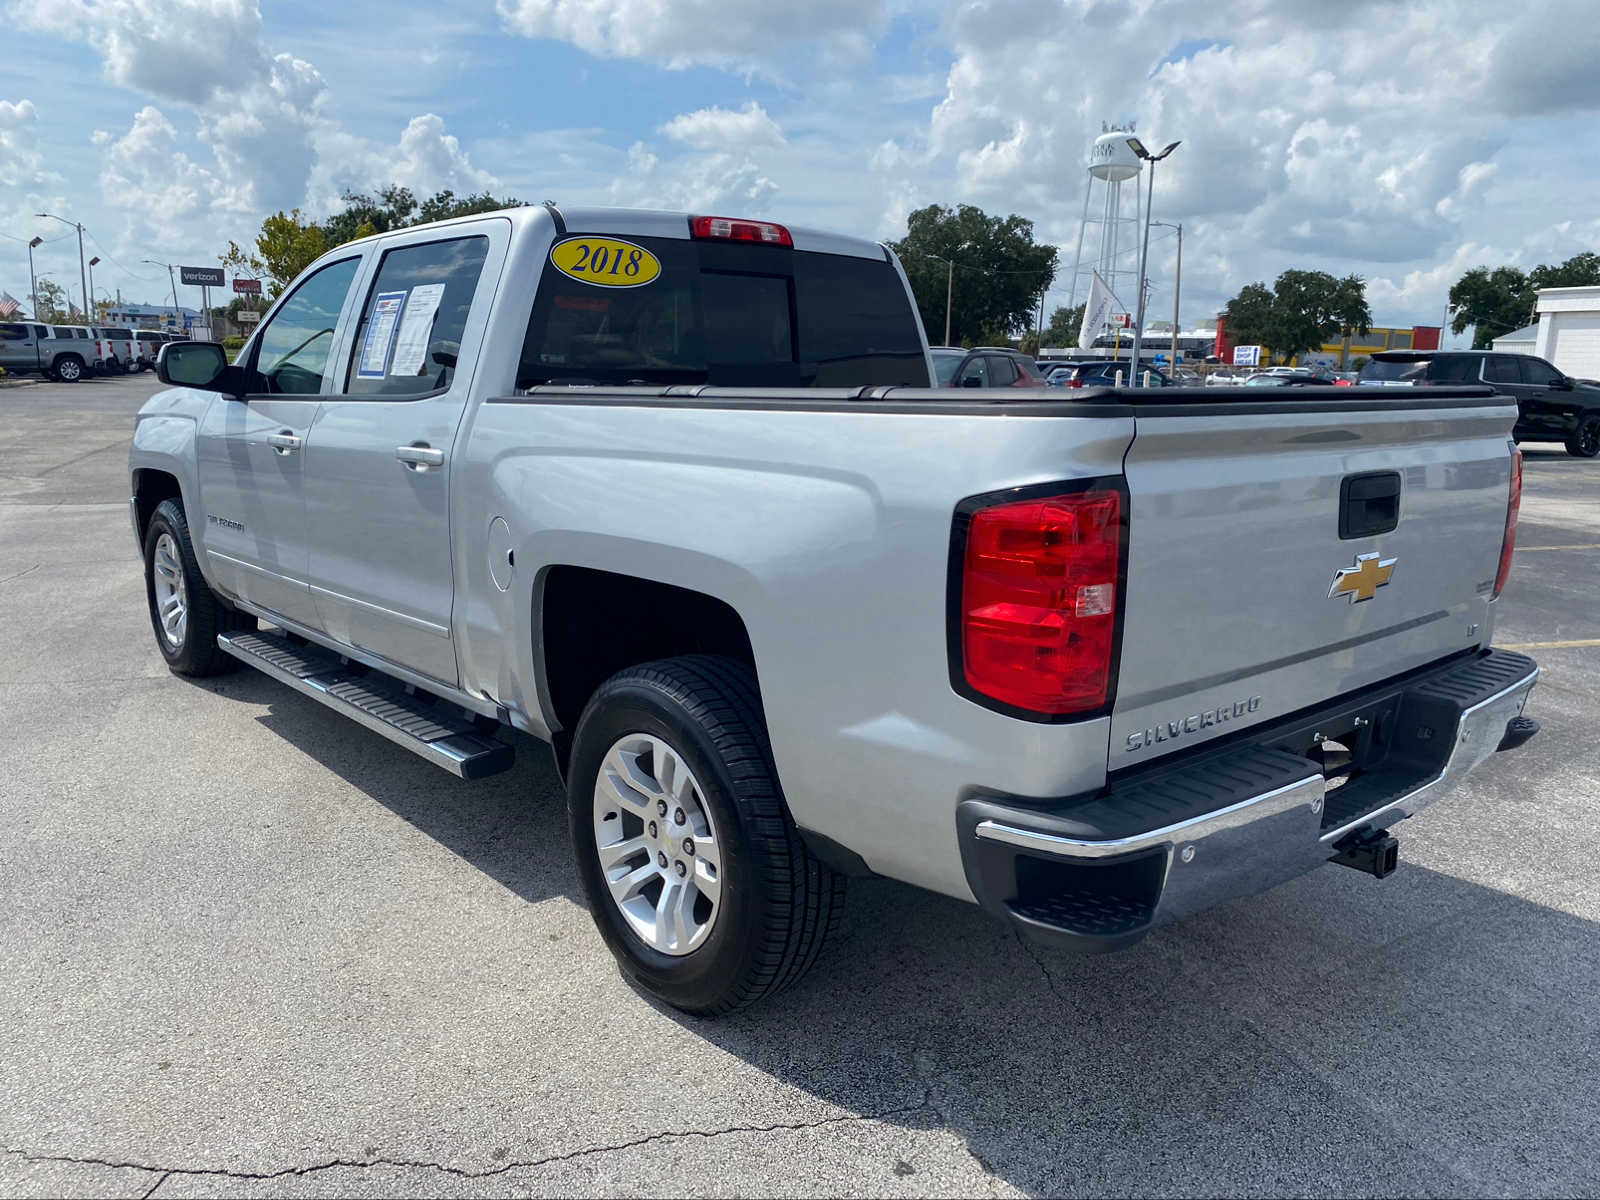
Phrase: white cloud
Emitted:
{"points": [[746, 34], [721, 129], [21, 160]]}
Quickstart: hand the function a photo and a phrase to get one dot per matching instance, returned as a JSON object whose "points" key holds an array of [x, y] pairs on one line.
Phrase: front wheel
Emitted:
{"points": [[1585, 443], [184, 612], [694, 871]]}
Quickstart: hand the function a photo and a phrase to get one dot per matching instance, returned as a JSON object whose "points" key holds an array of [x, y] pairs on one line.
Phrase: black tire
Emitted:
{"points": [[68, 368], [778, 902], [1585, 442], [197, 654]]}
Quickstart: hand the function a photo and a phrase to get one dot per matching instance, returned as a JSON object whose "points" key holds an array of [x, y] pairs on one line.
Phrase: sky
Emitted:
{"points": [[1404, 142]]}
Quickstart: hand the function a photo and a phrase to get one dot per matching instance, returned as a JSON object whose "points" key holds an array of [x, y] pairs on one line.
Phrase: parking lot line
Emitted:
{"points": [[1584, 546]]}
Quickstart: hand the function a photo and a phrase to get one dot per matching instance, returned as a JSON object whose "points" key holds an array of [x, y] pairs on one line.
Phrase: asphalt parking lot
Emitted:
{"points": [[251, 949]]}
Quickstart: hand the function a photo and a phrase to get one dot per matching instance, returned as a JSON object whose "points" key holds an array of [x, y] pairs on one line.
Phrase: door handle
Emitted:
{"points": [[420, 457], [283, 443]]}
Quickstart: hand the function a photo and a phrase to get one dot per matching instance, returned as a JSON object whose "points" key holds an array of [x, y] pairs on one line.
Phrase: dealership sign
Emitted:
{"points": [[250, 286], [201, 276]]}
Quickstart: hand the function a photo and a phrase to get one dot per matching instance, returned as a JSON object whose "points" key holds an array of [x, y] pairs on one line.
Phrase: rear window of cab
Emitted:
{"points": [[726, 314]]}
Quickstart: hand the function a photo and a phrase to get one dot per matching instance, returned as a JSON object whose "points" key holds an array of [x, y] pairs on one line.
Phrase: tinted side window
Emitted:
{"points": [[410, 331], [1454, 369], [1502, 369], [1539, 372], [13, 333], [293, 349], [1002, 371], [976, 368]]}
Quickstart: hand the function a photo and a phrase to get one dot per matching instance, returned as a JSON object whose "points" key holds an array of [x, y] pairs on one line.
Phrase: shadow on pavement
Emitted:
{"points": [[1338, 1036]]}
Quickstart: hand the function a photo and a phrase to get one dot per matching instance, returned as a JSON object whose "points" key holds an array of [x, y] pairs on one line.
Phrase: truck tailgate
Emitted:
{"points": [[1260, 576]]}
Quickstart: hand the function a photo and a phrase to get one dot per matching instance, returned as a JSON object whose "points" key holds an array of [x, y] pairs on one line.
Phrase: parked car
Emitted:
{"points": [[1550, 406], [64, 352], [984, 367], [674, 494], [1103, 372]]}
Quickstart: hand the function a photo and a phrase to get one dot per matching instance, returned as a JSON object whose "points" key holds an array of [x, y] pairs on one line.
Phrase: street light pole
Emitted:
{"points": [[33, 280], [92, 262], [1177, 289], [949, 285], [1137, 147], [83, 272]]}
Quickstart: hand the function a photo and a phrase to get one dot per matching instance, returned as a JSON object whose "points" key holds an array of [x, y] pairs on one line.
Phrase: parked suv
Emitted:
{"points": [[1103, 373], [984, 367], [1550, 406]]}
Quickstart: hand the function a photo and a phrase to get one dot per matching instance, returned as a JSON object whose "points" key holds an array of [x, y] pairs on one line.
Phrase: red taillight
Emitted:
{"points": [[1038, 617], [734, 230], [1073, 383], [1508, 544]]}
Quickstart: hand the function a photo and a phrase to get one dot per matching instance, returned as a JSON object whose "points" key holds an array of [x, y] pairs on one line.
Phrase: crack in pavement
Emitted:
{"points": [[20, 574], [166, 1173]]}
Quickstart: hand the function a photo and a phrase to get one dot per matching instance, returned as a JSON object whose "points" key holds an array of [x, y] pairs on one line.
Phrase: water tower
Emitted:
{"points": [[1115, 243]]}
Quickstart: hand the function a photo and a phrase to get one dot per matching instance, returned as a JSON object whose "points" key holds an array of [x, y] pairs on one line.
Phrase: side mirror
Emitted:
{"points": [[194, 364], [1561, 383]]}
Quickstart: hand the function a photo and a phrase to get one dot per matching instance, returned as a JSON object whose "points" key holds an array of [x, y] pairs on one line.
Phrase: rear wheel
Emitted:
{"points": [[694, 871], [1585, 443], [185, 613], [68, 368]]}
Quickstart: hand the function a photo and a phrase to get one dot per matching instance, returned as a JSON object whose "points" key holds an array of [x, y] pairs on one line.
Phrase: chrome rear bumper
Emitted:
{"points": [[1098, 872]]}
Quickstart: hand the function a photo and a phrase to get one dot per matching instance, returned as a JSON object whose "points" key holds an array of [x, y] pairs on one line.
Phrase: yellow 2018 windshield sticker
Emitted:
{"points": [[605, 262]]}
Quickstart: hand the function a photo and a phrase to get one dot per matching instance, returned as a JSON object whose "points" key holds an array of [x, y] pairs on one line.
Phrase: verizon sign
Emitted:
{"points": [[251, 287], [201, 276]]}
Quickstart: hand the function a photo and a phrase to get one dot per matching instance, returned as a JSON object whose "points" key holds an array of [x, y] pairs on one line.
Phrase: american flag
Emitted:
{"points": [[9, 304]]}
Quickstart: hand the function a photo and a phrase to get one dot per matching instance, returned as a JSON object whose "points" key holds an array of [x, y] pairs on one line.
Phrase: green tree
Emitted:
{"points": [[288, 245], [1062, 330], [1492, 301], [1303, 311], [51, 298], [999, 272], [1581, 270], [1248, 316], [446, 204], [394, 207]]}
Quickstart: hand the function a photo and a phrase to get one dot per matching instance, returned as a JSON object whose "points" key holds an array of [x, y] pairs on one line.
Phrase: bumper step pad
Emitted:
{"points": [[436, 731]]}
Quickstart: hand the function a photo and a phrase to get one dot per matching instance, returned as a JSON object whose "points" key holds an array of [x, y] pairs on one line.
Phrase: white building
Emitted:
{"points": [[1569, 330], [1518, 341]]}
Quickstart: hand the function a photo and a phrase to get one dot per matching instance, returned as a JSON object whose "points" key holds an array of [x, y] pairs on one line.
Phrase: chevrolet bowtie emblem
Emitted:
{"points": [[1362, 581]]}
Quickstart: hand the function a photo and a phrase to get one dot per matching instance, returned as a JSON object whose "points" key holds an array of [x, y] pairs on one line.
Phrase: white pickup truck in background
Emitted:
{"points": [[674, 494]]}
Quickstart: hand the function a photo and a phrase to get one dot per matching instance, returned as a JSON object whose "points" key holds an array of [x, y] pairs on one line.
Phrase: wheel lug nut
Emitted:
{"points": [[653, 831], [678, 818], [661, 808], [682, 870], [661, 859], [688, 847]]}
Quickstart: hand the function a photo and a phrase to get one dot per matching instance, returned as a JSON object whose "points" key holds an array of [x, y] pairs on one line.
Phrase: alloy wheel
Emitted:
{"points": [[658, 848]]}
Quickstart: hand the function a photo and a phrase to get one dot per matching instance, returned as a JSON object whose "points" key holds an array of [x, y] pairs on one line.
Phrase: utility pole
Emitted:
{"points": [[83, 270], [33, 280], [1177, 288], [171, 283]]}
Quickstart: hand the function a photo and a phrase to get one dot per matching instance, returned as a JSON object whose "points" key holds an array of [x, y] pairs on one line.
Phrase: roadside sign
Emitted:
{"points": [[246, 316], [249, 286], [1247, 356], [201, 276]]}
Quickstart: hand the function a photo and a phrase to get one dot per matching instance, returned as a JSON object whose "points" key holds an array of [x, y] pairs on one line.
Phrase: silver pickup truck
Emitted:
{"points": [[674, 495]]}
